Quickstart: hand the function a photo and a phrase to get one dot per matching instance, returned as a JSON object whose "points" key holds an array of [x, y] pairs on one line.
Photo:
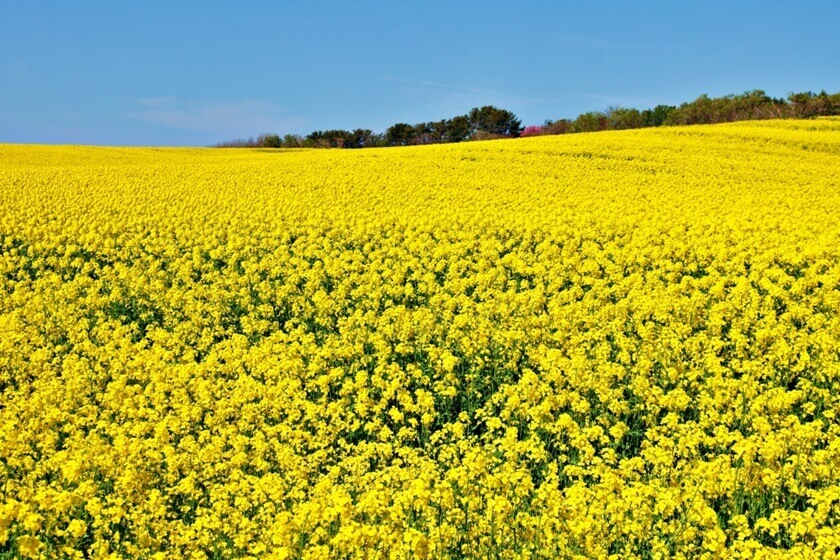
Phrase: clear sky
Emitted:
{"points": [[196, 73]]}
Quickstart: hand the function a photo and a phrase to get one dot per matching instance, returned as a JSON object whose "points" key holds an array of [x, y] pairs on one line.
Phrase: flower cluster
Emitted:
{"points": [[613, 345]]}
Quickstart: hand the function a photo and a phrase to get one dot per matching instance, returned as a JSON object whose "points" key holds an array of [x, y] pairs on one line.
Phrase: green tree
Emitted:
{"points": [[361, 138], [457, 129], [421, 134], [437, 131], [621, 118], [495, 121], [592, 121], [399, 134], [656, 116], [699, 111], [560, 126], [292, 141], [267, 140], [808, 104]]}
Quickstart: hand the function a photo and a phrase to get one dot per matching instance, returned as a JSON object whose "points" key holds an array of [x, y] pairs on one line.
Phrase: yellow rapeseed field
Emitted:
{"points": [[611, 345]]}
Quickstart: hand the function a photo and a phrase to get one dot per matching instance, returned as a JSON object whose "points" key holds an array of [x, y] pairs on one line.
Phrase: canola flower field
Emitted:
{"points": [[610, 345]]}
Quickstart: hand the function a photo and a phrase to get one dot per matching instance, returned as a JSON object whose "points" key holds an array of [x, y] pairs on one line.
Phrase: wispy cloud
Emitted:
{"points": [[16, 69], [427, 85], [456, 97], [222, 118], [598, 43], [620, 101]]}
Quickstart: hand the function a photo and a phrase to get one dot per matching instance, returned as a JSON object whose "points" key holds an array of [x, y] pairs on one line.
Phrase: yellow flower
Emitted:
{"points": [[28, 546], [620, 344], [77, 528]]}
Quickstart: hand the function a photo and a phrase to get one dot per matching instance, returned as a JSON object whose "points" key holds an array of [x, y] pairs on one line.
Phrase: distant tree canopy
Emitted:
{"points": [[491, 122], [359, 138], [483, 122], [750, 105], [399, 134], [479, 123]]}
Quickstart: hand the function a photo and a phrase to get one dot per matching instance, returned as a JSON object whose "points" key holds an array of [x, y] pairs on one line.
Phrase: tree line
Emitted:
{"points": [[489, 122], [480, 123]]}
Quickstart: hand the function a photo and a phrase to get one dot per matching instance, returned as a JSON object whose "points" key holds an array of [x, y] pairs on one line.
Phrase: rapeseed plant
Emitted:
{"points": [[612, 345]]}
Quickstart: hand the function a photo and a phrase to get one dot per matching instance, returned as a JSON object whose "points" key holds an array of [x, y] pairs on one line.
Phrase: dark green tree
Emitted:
{"points": [[494, 121], [292, 141], [399, 134], [656, 116], [422, 134], [437, 131], [457, 129], [560, 126], [621, 118], [807, 104], [590, 122], [361, 138], [268, 140]]}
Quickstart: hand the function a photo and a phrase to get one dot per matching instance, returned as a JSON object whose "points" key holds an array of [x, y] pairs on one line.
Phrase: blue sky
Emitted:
{"points": [[197, 73]]}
